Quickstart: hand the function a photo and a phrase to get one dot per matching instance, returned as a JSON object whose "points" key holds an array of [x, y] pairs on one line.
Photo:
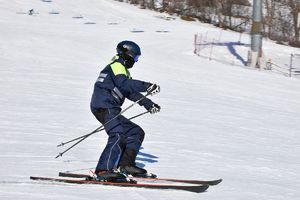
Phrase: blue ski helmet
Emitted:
{"points": [[129, 51]]}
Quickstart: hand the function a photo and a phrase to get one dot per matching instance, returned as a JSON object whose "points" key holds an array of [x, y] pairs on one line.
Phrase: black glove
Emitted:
{"points": [[153, 89], [155, 108]]}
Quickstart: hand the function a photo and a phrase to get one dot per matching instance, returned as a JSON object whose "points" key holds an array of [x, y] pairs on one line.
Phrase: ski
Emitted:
{"points": [[190, 188], [205, 182]]}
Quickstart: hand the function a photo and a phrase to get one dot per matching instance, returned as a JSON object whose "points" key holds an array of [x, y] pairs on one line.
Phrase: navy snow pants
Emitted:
{"points": [[124, 139]]}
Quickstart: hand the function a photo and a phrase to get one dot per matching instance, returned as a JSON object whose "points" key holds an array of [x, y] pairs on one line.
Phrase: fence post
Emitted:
{"points": [[240, 38], [291, 65], [211, 49], [195, 44]]}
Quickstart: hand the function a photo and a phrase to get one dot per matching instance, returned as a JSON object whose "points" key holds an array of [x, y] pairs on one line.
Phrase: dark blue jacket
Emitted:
{"points": [[114, 84]]}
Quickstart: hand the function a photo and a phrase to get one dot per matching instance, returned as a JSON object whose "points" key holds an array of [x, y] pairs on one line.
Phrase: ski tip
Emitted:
{"points": [[216, 182], [206, 186], [200, 189], [213, 182]]}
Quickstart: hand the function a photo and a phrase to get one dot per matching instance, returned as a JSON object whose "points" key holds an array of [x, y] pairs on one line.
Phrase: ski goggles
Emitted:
{"points": [[136, 58]]}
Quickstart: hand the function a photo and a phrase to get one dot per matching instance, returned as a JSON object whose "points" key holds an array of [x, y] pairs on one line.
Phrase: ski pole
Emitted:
{"points": [[61, 154], [87, 135], [100, 128], [95, 131]]}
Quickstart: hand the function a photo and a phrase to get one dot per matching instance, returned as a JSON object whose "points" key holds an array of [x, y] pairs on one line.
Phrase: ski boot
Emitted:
{"points": [[135, 171], [112, 176]]}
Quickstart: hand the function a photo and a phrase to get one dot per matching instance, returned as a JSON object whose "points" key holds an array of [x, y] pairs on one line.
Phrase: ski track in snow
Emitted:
{"points": [[217, 120]]}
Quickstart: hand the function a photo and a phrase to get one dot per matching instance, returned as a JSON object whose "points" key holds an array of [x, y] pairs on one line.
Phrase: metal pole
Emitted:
{"points": [[256, 32]]}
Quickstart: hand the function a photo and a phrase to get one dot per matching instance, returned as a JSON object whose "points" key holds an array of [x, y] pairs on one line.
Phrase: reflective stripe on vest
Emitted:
{"points": [[101, 77], [117, 94]]}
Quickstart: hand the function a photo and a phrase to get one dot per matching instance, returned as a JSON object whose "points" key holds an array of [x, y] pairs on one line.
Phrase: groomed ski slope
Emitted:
{"points": [[217, 120]]}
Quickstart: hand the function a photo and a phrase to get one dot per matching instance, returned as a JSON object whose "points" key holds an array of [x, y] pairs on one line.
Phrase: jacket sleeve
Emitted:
{"points": [[129, 86], [147, 103], [131, 89]]}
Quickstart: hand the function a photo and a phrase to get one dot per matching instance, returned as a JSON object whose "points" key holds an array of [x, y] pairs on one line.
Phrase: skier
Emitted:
{"points": [[113, 85], [31, 12]]}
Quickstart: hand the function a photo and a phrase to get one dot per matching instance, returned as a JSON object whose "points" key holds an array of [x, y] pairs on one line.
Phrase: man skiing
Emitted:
{"points": [[113, 85]]}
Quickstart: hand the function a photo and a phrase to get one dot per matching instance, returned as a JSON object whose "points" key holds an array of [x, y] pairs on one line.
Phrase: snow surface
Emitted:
{"points": [[217, 120]]}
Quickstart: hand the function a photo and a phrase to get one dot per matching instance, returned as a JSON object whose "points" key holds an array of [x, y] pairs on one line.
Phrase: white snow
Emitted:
{"points": [[217, 120]]}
